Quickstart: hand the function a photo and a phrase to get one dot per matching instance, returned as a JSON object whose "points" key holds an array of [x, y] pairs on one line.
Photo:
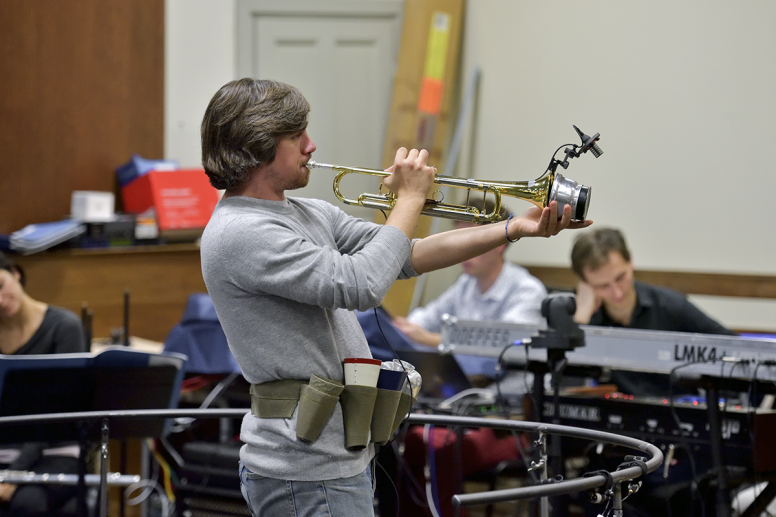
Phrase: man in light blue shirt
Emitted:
{"points": [[490, 289]]}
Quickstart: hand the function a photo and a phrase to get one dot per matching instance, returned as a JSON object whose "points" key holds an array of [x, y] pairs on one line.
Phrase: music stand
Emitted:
{"points": [[114, 379]]}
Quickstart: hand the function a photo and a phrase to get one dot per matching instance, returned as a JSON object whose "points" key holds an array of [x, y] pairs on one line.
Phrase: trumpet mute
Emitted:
{"points": [[568, 192]]}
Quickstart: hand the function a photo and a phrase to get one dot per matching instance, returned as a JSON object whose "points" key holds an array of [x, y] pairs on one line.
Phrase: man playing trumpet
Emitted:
{"points": [[286, 273]]}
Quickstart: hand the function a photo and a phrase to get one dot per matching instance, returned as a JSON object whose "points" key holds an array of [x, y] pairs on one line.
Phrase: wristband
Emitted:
{"points": [[506, 228]]}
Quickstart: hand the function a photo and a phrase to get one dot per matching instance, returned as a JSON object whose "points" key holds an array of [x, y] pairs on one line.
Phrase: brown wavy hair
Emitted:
{"points": [[243, 124]]}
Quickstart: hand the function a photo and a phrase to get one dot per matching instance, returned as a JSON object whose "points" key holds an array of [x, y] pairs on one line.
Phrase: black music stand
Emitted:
{"points": [[115, 379]]}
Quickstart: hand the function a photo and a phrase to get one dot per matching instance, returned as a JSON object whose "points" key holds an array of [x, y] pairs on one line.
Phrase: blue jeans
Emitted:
{"points": [[346, 497]]}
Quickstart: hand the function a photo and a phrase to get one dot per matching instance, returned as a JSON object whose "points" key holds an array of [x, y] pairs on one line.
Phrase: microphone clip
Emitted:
{"points": [[589, 143]]}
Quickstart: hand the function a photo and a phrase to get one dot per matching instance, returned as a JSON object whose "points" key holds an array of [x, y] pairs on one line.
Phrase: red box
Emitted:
{"points": [[183, 198]]}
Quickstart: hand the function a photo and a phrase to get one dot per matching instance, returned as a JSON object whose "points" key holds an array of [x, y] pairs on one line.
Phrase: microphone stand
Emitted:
{"points": [[562, 336]]}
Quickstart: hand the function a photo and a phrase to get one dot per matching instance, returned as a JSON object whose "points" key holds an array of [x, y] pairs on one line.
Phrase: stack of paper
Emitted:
{"points": [[38, 237]]}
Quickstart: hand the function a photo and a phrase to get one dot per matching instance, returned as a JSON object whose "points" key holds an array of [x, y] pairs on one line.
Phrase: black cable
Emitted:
{"points": [[723, 408], [500, 401], [683, 439], [402, 430], [401, 363], [393, 485], [753, 386], [529, 389], [450, 434], [552, 159], [534, 402], [751, 422], [608, 508], [418, 489]]}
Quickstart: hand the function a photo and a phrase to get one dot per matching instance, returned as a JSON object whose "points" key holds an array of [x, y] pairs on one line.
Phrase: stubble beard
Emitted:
{"points": [[296, 182], [301, 181]]}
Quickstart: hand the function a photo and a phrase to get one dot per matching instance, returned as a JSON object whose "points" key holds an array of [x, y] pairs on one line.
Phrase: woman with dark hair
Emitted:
{"points": [[29, 326]]}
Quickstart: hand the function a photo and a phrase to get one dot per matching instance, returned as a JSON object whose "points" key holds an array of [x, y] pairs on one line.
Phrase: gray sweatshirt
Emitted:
{"points": [[285, 277]]}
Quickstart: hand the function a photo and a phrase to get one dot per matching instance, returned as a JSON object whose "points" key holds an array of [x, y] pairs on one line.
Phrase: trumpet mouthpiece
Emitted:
{"points": [[312, 164]]}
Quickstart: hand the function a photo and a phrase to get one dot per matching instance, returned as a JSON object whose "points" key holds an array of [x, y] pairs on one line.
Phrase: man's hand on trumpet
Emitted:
{"points": [[452, 247], [542, 222], [411, 176], [410, 180]]}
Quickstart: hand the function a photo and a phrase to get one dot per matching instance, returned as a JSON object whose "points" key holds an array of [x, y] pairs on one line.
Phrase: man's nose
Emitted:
{"points": [[310, 147]]}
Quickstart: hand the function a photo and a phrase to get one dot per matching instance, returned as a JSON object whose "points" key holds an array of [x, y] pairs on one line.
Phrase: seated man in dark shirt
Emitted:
{"points": [[608, 295]]}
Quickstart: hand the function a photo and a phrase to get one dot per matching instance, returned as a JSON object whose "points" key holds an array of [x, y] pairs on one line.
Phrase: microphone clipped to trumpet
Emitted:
{"points": [[551, 186]]}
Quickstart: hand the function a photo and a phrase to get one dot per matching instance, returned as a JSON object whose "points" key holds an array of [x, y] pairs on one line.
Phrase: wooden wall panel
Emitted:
{"points": [[82, 88], [159, 280], [714, 284]]}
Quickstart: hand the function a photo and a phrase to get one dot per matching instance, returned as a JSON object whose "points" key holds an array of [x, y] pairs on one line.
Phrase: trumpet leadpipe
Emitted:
{"points": [[312, 164]]}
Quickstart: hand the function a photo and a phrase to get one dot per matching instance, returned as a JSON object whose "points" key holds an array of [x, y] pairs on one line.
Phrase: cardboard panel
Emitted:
{"points": [[426, 74]]}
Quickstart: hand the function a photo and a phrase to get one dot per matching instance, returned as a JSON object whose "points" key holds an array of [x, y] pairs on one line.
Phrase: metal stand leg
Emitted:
{"points": [[145, 460], [556, 361], [81, 487], [544, 502], [458, 455], [715, 430], [617, 500], [122, 469], [104, 468]]}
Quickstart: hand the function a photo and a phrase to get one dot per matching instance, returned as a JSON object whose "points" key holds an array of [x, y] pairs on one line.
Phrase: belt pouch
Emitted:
{"points": [[358, 404], [405, 403], [275, 399], [317, 401], [384, 415]]}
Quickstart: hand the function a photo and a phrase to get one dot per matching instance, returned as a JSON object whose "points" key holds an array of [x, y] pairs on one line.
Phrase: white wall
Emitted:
{"points": [[681, 92], [683, 96], [199, 58]]}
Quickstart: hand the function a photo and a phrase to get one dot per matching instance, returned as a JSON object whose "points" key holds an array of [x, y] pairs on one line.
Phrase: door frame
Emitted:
{"points": [[248, 9]]}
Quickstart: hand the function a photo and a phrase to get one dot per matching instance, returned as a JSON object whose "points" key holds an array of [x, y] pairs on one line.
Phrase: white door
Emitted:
{"points": [[343, 64]]}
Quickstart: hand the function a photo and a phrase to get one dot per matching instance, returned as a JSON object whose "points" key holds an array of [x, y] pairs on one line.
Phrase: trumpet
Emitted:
{"points": [[552, 186]]}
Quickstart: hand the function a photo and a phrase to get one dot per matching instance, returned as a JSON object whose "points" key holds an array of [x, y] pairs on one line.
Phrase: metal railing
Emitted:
{"points": [[549, 488]]}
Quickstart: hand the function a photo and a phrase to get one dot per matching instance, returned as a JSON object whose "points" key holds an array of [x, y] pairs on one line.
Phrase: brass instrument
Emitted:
{"points": [[551, 186]]}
